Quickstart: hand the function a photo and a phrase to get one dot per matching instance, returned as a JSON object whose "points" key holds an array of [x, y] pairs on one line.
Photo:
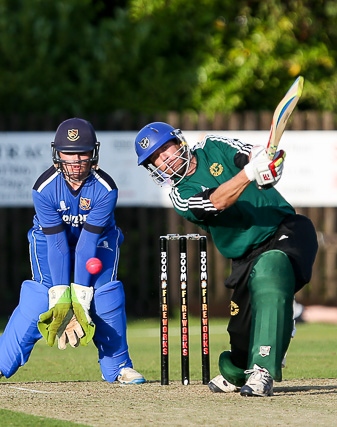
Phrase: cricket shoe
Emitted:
{"points": [[260, 383], [130, 376], [220, 385]]}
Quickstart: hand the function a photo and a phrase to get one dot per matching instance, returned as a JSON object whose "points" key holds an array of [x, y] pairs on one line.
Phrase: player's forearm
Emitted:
{"points": [[58, 258], [85, 249], [229, 192]]}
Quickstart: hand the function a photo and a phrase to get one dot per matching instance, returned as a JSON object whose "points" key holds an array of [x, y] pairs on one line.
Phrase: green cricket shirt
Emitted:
{"points": [[254, 217]]}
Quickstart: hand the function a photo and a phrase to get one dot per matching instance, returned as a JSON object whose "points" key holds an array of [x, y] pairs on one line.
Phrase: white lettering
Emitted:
{"points": [[74, 220], [163, 270]]}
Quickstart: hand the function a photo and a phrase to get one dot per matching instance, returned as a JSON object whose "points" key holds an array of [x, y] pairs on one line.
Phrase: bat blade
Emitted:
{"points": [[282, 114]]}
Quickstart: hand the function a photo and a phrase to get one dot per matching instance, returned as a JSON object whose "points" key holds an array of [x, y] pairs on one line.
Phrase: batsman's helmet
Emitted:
{"points": [[75, 136], [152, 137]]}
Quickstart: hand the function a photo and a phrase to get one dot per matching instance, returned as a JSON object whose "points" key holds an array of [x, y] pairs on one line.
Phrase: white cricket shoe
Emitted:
{"points": [[130, 376], [220, 385], [260, 383]]}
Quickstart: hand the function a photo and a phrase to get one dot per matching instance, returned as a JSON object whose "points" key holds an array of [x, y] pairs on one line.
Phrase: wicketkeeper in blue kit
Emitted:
{"points": [[74, 202]]}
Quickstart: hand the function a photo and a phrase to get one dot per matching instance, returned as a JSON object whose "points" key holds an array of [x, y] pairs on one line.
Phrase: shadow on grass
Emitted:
{"points": [[307, 389]]}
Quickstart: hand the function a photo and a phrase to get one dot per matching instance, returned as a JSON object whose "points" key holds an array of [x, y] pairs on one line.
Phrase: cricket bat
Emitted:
{"points": [[282, 114]]}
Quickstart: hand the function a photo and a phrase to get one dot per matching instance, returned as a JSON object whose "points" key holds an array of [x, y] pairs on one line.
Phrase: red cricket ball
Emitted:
{"points": [[94, 265]]}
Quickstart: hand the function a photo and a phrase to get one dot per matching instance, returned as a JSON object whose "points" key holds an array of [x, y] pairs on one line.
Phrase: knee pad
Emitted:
{"points": [[108, 299], [108, 314], [34, 299], [272, 272], [230, 372], [271, 286], [21, 332]]}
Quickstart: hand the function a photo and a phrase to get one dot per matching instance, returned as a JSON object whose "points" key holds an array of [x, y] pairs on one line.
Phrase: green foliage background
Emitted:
{"points": [[77, 57]]}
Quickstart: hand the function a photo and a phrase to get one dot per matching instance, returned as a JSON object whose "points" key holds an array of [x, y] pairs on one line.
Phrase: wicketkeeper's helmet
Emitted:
{"points": [[75, 136]]}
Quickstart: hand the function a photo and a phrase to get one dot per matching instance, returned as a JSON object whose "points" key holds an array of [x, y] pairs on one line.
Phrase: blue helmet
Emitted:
{"points": [[75, 136], [150, 139], [153, 136]]}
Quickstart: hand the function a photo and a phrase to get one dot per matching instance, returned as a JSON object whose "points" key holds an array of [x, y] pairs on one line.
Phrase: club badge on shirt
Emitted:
{"points": [[85, 203], [216, 169]]}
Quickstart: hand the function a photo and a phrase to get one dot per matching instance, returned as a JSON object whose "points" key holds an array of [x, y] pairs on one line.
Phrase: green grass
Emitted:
{"points": [[17, 419], [312, 354]]}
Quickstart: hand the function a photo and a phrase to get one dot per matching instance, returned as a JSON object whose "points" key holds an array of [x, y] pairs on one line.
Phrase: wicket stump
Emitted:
{"points": [[164, 304]]}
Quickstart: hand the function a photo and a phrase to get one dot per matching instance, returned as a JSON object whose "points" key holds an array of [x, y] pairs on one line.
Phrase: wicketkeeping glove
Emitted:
{"points": [[261, 169], [55, 318], [81, 297], [71, 334]]}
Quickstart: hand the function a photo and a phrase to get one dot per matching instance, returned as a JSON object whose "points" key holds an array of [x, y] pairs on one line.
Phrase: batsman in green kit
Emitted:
{"points": [[227, 188]]}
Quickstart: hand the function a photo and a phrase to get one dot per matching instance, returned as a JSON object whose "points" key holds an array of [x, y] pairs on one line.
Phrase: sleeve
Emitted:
{"points": [[201, 206], [58, 258], [85, 249], [198, 207], [240, 160], [232, 148], [58, 255], [47, 214], [239, 151], [195, 208], [100, 215]]}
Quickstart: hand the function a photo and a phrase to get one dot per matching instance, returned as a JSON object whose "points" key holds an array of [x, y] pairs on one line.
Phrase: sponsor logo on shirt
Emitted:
{"points": [[63, 206], [74, 220], [283, 237]]}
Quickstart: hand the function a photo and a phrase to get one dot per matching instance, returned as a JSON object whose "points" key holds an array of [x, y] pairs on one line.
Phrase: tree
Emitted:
{"points": [[76, 57]]}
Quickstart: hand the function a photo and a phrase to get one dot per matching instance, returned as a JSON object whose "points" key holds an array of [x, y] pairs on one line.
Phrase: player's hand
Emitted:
{"points": [[261, 169], [81, 297], [71, 334], [55, 318], [277, 164]]}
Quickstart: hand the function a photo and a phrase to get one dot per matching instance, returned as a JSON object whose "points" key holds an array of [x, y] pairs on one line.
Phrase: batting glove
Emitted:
{"points": [[71, 334], [55, 319], [276, 166], [266, 173], [81, 297]]}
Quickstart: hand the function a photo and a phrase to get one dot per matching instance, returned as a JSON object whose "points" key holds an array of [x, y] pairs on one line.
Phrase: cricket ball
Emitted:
{"points": [[94, 265]]}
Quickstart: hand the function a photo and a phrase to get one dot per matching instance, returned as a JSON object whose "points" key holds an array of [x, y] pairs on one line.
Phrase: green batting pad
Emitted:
{"points": [[271, 286], [230, 372]]}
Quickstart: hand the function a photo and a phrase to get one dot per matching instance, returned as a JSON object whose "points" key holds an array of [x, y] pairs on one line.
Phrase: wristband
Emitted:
{"points": [[249, 172]]}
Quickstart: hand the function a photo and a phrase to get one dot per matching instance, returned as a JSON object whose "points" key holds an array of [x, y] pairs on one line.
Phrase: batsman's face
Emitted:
{"points": [[76, 166], [168, 158]]}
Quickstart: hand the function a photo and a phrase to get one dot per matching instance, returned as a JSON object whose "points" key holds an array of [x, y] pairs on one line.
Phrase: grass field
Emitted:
{"points": [[55, 386]]}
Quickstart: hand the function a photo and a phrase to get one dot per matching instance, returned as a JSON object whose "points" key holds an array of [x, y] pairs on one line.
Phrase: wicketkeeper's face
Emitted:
{"points": [[76, 166]]}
